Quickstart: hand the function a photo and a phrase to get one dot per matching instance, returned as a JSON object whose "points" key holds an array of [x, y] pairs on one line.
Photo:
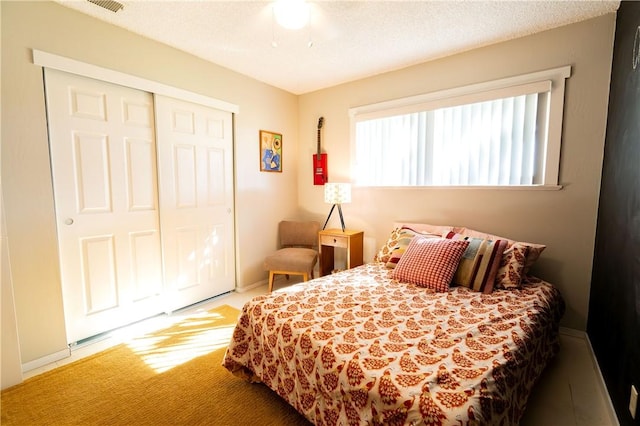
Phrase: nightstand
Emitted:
{"points": [[328, 239]]}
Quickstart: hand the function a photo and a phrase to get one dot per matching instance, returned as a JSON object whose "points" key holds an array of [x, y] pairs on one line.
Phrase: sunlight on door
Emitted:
{"points": [[209, 263]]}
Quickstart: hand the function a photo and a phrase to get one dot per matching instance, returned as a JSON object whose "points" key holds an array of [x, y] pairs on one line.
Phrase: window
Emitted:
{"points": [[500, 133]]}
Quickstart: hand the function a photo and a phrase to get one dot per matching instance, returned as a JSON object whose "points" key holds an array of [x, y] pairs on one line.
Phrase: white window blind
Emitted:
{"points": [[482, 135]]}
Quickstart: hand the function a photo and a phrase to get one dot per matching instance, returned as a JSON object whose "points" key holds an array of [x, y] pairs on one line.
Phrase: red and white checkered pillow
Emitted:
{"points": [[430, 262]]}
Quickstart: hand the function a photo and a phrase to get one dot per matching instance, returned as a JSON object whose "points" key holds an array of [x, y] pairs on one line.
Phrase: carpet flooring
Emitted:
{"points": [[169, 377]]}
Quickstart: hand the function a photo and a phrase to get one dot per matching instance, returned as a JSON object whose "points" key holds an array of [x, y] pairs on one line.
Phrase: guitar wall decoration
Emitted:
{"points": [[320, 173]]}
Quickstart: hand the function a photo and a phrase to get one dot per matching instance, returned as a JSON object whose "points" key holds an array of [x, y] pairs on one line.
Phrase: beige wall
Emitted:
{"points": [[10, 370], [10, 365], [563, 220], [261, 198]]}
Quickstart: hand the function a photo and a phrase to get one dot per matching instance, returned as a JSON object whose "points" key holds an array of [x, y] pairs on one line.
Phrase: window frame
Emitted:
{"points": [[505, 87]]}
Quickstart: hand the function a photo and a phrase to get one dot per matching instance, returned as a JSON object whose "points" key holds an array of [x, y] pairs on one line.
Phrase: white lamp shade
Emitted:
{"points": [[337, 193]]}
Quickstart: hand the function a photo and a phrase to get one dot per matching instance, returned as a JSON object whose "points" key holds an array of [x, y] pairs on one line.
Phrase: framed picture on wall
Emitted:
{"points": [[270, 151]]}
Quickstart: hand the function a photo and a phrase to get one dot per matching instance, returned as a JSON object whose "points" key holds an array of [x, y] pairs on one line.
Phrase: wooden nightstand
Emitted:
{"points": [[328, 239]]}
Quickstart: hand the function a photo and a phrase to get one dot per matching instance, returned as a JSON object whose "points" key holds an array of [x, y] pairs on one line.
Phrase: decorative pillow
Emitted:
{"points": [[405, 235], [511, 272], [385, 251], [479, 263], [430, 262], [533, 252], [425, 228]]}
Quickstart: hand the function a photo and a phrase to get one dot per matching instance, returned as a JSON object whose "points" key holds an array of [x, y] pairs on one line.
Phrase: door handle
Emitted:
{"points": [[68, 221]]}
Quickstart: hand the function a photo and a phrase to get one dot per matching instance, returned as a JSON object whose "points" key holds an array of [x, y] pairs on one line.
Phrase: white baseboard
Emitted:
{"points": [[262, 283], [573, 332], [603, 386], [252, 286], [45, 360]]}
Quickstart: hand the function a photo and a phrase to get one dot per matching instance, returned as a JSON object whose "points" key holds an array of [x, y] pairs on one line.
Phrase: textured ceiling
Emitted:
{"points": [[351, 39]]}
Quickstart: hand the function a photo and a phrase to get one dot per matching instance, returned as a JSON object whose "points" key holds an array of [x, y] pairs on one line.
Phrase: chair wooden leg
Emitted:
{"points": [[271, 274], [305, 277]]}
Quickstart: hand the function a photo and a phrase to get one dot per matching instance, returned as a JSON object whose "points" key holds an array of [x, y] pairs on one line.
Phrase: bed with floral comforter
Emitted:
{"points": [[360, 348]]}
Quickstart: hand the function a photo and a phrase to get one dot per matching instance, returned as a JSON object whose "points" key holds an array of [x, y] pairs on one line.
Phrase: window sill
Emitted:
{"points": [[477, 187]]}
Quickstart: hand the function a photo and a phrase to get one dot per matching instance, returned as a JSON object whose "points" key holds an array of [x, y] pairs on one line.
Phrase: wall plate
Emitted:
{"points": [[633, 401]]}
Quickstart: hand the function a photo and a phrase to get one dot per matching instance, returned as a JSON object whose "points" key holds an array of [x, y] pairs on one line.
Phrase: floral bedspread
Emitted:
{"points": [[358, 348]]}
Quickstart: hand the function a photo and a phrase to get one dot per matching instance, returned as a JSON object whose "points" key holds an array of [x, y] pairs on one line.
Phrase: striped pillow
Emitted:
{"points": [[480, 262], [430, 262], [533, 250]]}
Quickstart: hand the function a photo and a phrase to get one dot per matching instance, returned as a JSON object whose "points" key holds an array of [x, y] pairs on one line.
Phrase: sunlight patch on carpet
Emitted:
{"points": [[193, 337]]}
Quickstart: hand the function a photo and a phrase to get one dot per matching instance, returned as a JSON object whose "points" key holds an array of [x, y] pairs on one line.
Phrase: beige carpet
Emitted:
{"points": [[169, 377]]}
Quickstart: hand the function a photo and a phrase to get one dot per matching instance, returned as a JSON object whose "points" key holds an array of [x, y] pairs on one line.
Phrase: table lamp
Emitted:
{"points": [[336, 194]]}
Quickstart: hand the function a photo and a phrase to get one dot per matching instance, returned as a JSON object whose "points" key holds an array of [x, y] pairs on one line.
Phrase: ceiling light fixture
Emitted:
{"points": [[291, 14]]}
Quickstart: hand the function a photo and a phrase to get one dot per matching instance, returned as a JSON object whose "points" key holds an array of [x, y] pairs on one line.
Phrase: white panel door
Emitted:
{"points": [[105, 186], [195, 178]]}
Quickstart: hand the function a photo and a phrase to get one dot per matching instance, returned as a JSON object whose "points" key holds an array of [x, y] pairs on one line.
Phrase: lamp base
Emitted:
{"points": [[331, 212]]}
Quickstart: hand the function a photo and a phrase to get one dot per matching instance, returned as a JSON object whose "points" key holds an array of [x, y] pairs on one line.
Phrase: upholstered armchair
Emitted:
{"points": [[298, 252]]}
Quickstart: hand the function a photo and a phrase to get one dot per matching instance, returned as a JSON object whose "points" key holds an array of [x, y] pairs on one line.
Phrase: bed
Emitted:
{"points": [[363, 347]]}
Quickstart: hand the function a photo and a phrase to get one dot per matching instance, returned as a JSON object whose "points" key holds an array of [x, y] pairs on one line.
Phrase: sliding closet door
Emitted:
{"points": [[104, 173], [195, 166]]}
